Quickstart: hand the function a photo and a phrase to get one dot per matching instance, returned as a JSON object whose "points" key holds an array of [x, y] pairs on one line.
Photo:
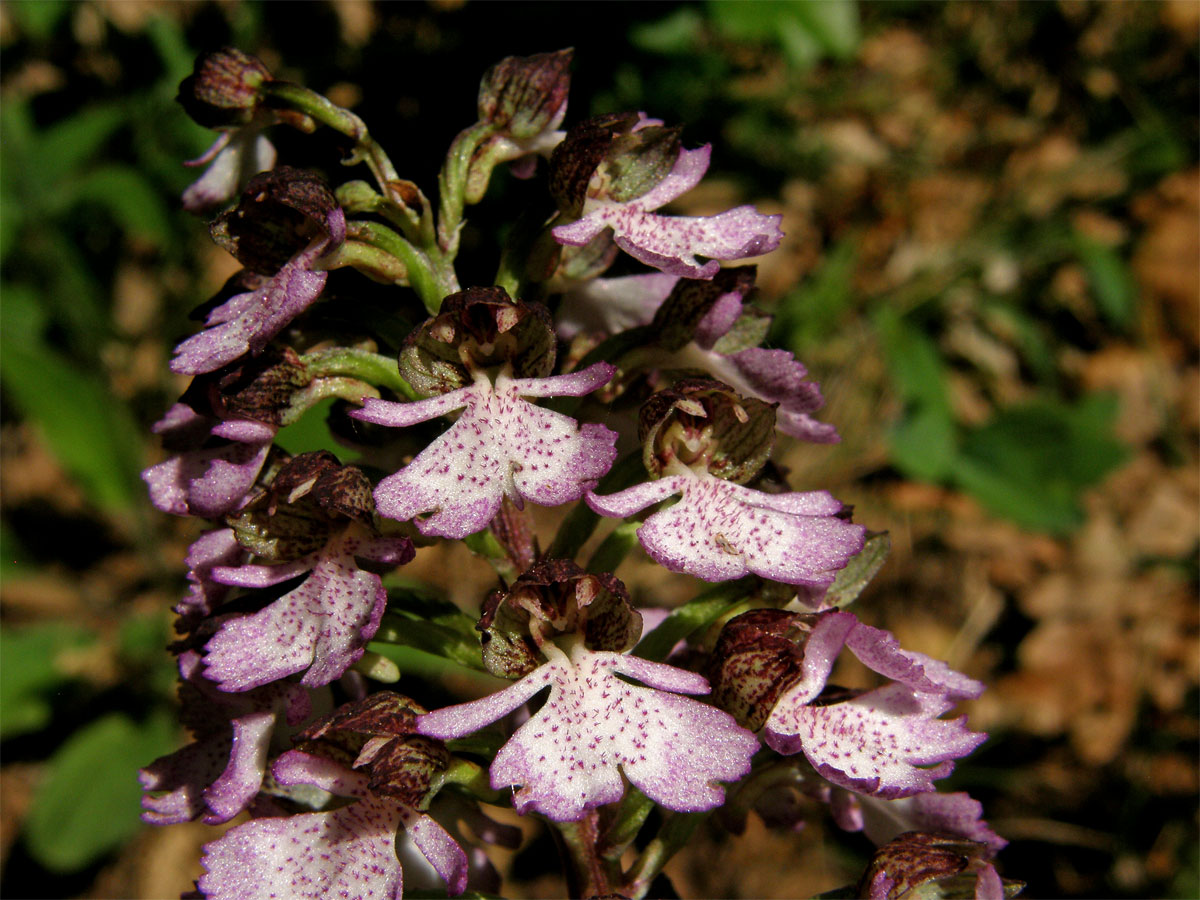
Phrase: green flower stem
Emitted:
{"points": [[626, 823], [421, 273], [358, 198], [614, 548], [321, 109], [373, 262], [485, 544], [452, 185], [671, 838], [588, 875], [373, 368]]}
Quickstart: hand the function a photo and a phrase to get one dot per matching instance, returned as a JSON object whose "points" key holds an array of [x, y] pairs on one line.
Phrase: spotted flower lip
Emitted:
{"points": [[570, 755], [876, 742], [672, 243], [221, 771], [320, 628], [206, 481], [246, 322], [720, 530], [346, 852], [500, 446]]}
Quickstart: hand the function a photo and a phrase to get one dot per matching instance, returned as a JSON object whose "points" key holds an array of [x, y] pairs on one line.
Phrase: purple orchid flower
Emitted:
{"points": [[570, 755], [320, 628], [500, 446], [221, 771], [206, 481], [720, 530], [247, 321], [876, 742], [672, 243], [346, 852]]}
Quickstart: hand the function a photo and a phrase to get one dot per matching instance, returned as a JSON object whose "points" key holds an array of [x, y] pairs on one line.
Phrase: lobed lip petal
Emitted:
{"points": [[206, 481], [878, 742], [569, 757], [321, 628], [719, 530], [347, 852], [889, 742], [500, 446], [221, 771]]}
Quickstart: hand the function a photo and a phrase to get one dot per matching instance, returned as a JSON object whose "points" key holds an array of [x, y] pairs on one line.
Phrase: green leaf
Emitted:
{"points": [[806, 29], [134, 203], [89, 803], [30, 668], [811, 313], [1111, 281], [68, 144], [677, 33], [89, 431], [38, 18], [1031, 463], [923, 445]]}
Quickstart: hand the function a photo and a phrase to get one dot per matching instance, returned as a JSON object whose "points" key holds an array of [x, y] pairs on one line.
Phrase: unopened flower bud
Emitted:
{"points": [[224, 88], [705, 425], [525, 96]]}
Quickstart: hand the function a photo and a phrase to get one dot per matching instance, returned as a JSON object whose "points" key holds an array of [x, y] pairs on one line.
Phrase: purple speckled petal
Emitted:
{"points": [[609, 305], [719, 531], [672, 243], [880, 651], [221, 771], [573, 384], [955, 813], [687, 172], [569, 756], [246, 322], [263, 575], [206, 482], [348, 853], [210, 550], [774, 376], [232, 161], [635, 499], [500, 446], [322, 626], [232, 792], [874, 743], [437, 846], [182, 777], [466, 718], [401, 415]]}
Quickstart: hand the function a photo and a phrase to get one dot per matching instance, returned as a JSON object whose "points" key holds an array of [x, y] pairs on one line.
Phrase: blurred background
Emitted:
{"points": [[991, 265]]}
